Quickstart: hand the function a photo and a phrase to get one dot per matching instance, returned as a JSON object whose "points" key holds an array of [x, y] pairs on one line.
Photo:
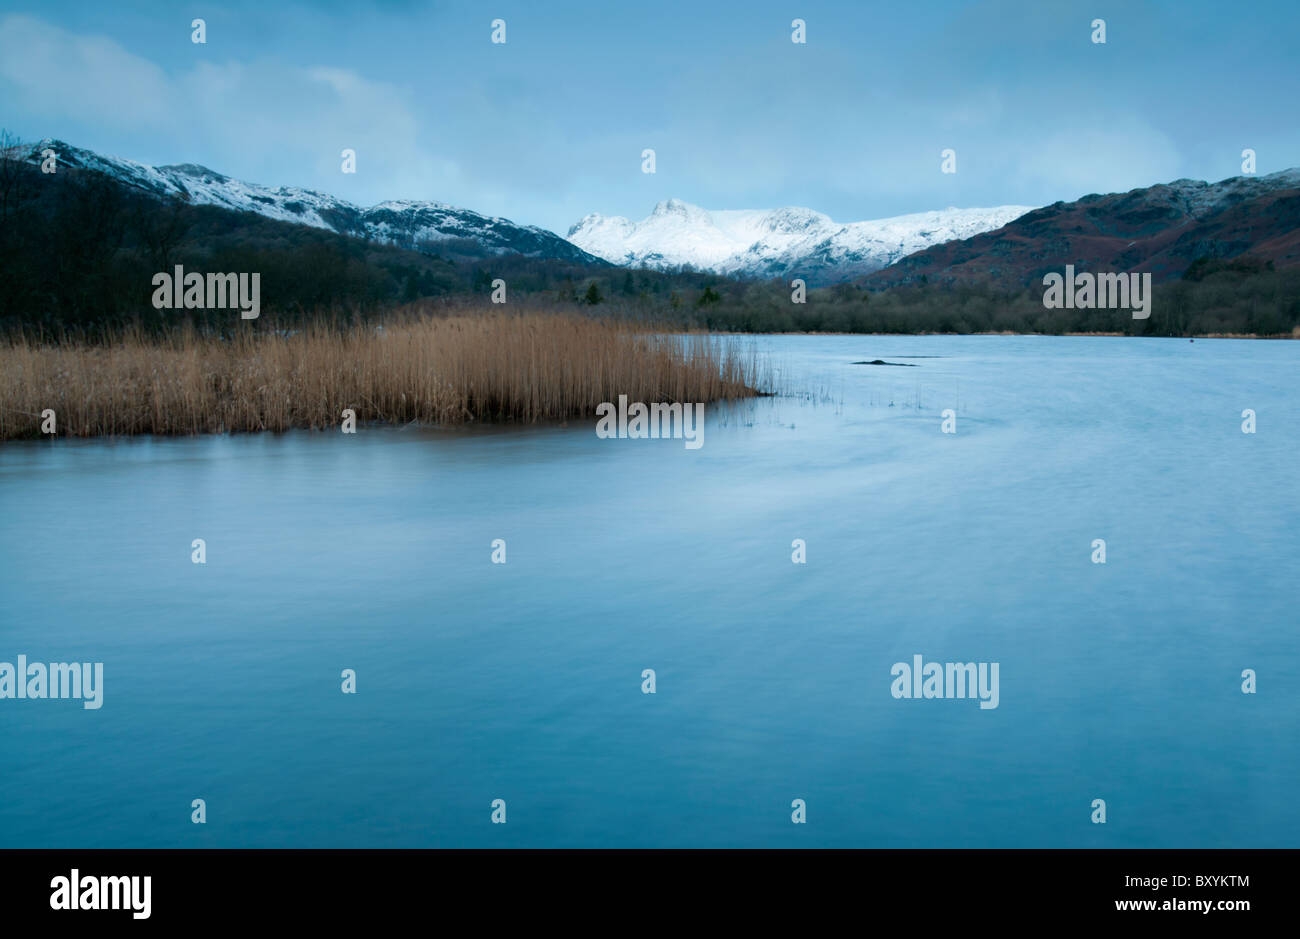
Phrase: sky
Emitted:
{"points": [[551, 124]]}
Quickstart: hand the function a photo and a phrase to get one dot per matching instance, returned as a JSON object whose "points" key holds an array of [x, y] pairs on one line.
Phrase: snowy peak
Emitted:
{"points": [[776, 242], [678, 210], [405, 223], [791, 221]]}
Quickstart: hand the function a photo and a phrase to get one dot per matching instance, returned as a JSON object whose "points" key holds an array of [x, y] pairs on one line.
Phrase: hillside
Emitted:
{"points": [[1160, 229]]}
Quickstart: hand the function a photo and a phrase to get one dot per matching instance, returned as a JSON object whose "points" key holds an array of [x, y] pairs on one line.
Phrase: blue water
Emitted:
{"points": [[480, 681]]}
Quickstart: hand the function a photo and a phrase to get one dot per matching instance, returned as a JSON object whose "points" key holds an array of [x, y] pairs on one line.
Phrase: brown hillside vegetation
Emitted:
{"points": [[1161, 229]]}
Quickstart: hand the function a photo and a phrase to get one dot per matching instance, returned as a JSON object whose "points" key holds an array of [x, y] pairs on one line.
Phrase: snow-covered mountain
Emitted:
{"points": [[405, 223], [776, 242], [764, 243]]}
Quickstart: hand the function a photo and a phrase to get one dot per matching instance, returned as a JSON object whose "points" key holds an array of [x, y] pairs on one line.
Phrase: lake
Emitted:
{"points": [[522, 681]]}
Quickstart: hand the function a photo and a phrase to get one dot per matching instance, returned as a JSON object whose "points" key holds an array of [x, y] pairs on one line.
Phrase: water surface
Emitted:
{"points": [[522, 681]]}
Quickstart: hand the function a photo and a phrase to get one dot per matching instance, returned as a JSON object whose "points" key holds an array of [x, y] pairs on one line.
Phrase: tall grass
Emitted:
{"points": [[488, 367]]}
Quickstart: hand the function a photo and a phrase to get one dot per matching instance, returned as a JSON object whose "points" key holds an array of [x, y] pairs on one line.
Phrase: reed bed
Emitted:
{"points": [[489, 367]]}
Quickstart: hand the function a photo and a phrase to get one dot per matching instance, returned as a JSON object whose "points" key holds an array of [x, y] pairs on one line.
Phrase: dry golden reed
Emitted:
{"points": [[489, 367]]}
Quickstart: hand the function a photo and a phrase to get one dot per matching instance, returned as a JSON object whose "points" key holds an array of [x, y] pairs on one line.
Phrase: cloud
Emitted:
{"points": [[83, 78], [252, 120], [1098, 153], [551, 127]]}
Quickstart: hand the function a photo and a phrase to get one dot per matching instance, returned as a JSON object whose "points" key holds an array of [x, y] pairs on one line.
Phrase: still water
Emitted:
{"points": [[523, 681]]}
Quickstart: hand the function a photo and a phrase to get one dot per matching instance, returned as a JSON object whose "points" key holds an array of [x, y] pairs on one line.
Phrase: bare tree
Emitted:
{"points": [[13, 175], [161, 231]]}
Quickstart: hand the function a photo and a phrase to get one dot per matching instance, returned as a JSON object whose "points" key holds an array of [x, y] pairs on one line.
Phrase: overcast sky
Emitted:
{"points": [[551, 125]]}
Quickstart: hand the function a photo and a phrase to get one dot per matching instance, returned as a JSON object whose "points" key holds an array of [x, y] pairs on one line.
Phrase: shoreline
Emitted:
{"points": [[1271, 336]]}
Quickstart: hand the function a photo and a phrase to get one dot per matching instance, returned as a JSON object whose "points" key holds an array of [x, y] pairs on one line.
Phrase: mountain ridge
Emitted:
{"points": [[780, 242], [1165, 229], [405, 223]]}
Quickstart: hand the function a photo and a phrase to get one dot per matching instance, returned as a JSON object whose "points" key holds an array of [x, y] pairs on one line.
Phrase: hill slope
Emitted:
{"points": [[1161, 229]]}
